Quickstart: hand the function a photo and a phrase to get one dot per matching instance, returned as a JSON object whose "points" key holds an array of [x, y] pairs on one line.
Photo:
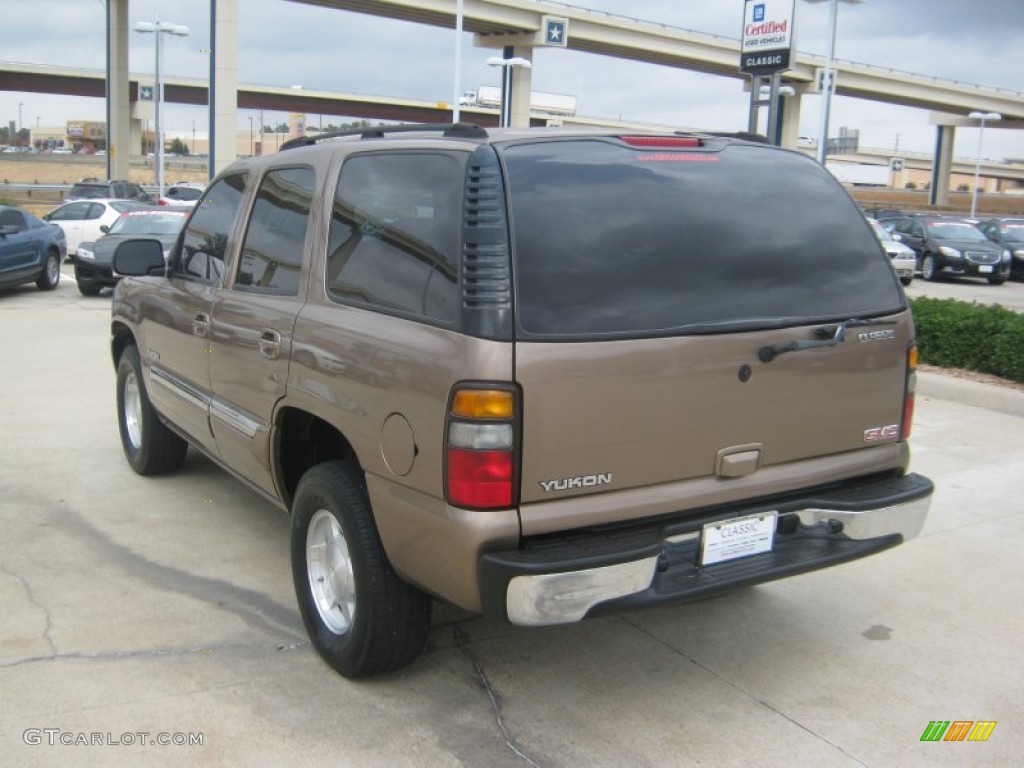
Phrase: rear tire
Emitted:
{"points": [[150, 447], [361, 618], [50, 276], [906, 280]]}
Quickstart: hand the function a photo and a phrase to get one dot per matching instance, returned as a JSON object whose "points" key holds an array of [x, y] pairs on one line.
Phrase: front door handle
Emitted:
{"points": [[270, 343], [200, 324]]}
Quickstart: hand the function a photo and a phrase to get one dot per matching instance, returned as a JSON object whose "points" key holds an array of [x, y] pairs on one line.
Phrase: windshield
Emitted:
{"points": [[148, 224], [184, 193], [89, 191], [614, 241], [1013, 233], [954, 230], [881, 232]]}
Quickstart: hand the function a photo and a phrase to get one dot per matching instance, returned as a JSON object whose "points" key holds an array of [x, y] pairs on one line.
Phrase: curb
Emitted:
{"points": [[967, 392]]}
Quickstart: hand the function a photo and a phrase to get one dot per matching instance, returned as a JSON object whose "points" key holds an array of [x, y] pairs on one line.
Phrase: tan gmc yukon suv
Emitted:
{"points": [[543, 375]]}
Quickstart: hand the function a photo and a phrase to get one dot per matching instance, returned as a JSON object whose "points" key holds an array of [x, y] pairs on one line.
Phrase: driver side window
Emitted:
{"points": [[205, 240]]}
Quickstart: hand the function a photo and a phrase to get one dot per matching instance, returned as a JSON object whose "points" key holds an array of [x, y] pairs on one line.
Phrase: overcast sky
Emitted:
{"points": [[287, 43]]}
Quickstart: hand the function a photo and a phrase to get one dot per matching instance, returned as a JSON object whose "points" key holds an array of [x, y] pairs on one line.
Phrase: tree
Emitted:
{"points": [[178, 147]]}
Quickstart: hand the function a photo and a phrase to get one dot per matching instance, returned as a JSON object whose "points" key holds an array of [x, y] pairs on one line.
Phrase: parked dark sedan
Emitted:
{"points": [[1009, 233], [30, 249], [950, 246], [92, 265]]}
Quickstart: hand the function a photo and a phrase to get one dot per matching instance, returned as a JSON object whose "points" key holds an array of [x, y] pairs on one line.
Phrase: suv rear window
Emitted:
{"points": [[89, 191], [612, 241]]}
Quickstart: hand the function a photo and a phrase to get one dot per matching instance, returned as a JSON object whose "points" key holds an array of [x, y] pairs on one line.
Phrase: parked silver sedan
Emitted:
{"points": [[903, 260]]}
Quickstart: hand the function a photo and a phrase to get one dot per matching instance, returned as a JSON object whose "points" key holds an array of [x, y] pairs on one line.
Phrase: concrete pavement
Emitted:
{"points": [[165, 607]]}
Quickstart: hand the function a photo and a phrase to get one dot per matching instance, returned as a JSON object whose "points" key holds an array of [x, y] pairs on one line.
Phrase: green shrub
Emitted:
{"points": [[954, 334]]}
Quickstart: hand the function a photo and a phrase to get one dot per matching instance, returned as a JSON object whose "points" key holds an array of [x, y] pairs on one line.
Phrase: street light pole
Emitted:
{"points": [[982, 116], [250, 136], [159, 29], [829, 75]]}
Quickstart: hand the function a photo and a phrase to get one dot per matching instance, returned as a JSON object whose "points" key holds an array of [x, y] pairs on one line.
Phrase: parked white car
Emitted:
{"points": [[88, 220], [184, 193], [903, 259]]}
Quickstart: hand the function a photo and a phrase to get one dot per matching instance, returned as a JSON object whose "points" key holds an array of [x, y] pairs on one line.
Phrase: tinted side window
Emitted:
{"points": [[276, 237], [205, 240], [95, 211], [395, 233], [11, 218], [72, 212]]}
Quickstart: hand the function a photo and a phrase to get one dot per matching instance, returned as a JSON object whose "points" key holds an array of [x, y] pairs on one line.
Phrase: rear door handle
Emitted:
{"points": [[270, 343], [201, 324]]}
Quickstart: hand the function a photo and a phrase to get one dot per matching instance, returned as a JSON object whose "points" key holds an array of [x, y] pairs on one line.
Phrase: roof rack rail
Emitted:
{"points": [[760, 138], [449, 130]]}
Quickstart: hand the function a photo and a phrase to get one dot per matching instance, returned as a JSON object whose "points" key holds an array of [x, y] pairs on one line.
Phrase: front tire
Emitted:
{"points": [[50, 276], [150, 447], [88, 290], [996, 280], [361, 618], [930, 269]]}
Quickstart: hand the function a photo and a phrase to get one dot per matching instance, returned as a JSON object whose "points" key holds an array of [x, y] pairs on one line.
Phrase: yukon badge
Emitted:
{"points": [[569, 483], [878, 434]]}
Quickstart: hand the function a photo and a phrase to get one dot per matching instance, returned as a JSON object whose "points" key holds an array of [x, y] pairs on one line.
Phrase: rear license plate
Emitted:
{"points": [[985, 269], [730, 539]]}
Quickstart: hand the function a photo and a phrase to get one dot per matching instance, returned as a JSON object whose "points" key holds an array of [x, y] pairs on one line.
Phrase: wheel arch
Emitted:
{"points": [[302, 440], [121, 337]]}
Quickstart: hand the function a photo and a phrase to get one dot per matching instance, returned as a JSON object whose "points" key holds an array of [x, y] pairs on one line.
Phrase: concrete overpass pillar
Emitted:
{"points": [[942, 164], [118, 139], [223, 83], [522, 86], [789, 131]]}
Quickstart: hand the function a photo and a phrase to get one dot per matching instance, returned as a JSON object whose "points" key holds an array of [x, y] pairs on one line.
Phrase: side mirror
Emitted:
{"points": [[8, 229], [104, 228], [137, 258]]}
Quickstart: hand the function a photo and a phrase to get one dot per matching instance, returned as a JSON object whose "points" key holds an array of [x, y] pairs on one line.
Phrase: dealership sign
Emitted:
{"points": [[767, 38]]}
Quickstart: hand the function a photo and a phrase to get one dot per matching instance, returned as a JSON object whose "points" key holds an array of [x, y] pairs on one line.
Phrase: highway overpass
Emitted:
{"points": [[515, 25]]}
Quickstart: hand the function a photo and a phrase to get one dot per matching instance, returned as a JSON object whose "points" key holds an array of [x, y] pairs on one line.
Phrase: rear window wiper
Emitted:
{"points": [[828, 336]]}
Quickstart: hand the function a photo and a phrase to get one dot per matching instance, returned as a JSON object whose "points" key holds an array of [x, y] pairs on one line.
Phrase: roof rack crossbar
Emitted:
{"points": [[449, 130]]}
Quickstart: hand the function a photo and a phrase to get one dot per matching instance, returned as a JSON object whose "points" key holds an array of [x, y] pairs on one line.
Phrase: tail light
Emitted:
{"points": [[664, 142], [161, 201], [482, 447], [908, 397]]}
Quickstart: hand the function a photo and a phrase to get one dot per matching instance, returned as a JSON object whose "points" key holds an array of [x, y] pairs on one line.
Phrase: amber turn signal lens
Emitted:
{"points": [[912, 357], [483, 404]]}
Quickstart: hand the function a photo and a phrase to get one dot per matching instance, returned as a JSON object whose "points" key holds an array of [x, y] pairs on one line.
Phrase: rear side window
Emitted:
{"points": [[395, 233], [276, 238], [205, 241], [612, 241]]}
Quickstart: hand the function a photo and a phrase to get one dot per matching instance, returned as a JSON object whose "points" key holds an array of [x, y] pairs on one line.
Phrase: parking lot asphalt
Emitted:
{"points": [[164, 607]]}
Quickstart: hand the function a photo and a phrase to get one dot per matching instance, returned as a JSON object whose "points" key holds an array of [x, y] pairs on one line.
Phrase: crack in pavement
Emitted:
{"points": [[154, 653], [34, 601], [462, 643], [741, 690]]}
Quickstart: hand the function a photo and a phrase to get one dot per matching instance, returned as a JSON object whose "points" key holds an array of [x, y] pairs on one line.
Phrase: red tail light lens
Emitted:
{"points": [[480, 479], [482, 447]]}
